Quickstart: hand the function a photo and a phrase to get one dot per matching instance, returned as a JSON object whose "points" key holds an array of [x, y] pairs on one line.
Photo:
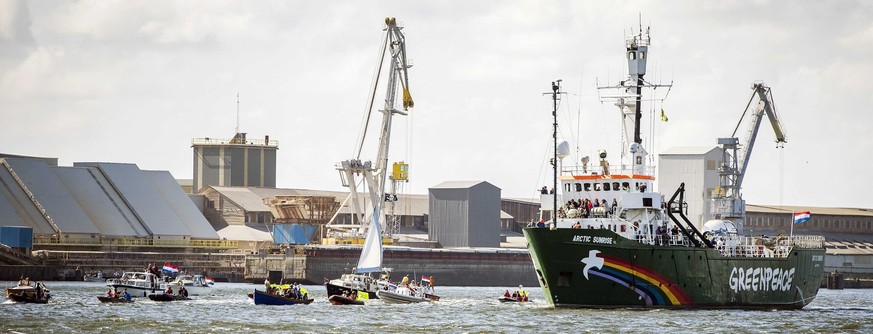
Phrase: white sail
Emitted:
{"points": [[371, 255]]}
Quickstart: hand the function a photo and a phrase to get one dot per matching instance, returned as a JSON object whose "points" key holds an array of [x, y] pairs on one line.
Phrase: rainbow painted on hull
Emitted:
{"points": [[652, 287]]}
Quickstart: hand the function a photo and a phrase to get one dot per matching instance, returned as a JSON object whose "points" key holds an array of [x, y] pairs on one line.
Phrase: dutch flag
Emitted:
{"points": [[801, 217], [425, 279], [169, 268], [209, 281]]}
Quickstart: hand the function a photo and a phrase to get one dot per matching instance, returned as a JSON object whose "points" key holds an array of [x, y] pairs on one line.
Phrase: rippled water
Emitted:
{"points": [[74, 308]]}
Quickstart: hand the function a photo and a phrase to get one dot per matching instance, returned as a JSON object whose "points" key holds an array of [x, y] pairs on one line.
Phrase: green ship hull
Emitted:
{"points": [[597, 268]]}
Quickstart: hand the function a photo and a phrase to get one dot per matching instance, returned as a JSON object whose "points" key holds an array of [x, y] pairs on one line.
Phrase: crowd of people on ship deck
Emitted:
{"points": [[588, 208]]}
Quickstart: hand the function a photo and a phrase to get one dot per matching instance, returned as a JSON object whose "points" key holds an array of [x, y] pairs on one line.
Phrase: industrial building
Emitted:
{"points": [[87, 214], [465, 214], [697, 167], [848, 232], [235, 162], [250, 214]]}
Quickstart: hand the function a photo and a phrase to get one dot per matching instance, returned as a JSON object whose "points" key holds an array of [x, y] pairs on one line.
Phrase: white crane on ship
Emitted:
{"points": [[355, 172], [728, 198]]}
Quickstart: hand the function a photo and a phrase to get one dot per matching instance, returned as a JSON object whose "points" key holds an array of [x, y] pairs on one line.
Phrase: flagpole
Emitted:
{"points": [[792, 225]]}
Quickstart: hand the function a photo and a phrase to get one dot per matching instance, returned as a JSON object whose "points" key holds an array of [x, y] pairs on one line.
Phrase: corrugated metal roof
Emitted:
{"points": [[252, 199], [23, 211], [813, 210], [252, 232], [244, 197], [145, 200], [53, 195], [688, 150], [181, 205], [460, 184], [103, 212]]}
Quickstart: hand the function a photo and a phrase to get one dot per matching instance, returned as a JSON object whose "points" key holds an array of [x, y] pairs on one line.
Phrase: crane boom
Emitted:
{"points": [[369, 175], [764, 106], [729, 203]]}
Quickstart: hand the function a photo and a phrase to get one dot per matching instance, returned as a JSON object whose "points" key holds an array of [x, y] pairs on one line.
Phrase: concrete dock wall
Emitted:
{"points": [[448, 268]]}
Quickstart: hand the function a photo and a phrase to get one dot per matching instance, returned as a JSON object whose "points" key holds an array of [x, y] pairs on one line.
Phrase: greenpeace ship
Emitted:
{"points": [[635, 248]]}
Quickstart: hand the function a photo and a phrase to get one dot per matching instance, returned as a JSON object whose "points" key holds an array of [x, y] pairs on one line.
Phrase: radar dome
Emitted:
{"points": [[718, 224], [563, 149]]}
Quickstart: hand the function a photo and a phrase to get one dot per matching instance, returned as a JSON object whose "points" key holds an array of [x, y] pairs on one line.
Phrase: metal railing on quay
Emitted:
{"points": [[134, 242]]}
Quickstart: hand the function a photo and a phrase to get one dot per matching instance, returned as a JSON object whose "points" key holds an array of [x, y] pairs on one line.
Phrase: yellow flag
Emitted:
{"points": [[363, 295], [663, 115]]}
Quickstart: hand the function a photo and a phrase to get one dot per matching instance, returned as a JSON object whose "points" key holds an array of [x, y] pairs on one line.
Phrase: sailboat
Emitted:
{"points": [[362, 281]]}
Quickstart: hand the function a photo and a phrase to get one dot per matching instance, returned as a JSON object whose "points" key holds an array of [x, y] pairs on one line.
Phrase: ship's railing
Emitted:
{"points": [[667, 240], [591, 169], [777, 247], [808, 241]]}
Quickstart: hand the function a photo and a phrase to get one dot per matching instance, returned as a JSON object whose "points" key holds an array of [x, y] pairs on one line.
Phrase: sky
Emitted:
{"points": [[135, 81]]}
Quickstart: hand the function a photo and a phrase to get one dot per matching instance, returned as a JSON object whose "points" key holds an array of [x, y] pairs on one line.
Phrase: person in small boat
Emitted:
{"points": [[110, 293], [183, 292], [169, 290], [21, 281], [506, 294], [267, 288], [27, 281], [39, 290], [126, 295]]}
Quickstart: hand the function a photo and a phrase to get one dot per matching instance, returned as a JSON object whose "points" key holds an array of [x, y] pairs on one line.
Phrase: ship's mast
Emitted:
{"points": [[556, 85], [630, 99]]}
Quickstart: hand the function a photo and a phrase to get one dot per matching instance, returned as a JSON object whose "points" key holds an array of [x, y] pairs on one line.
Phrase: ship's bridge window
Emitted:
{"points": [[615, 186], [625, 185], [587, 186], [642, 55], [567, 187], [606, 186], [597, 187], [578, 187], [631, 55]]}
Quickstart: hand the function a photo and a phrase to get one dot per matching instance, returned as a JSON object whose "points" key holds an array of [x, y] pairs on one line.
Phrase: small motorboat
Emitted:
{"points": [[263, 298], [29, 294], [343, 300], [400, 296], [163, 297], [504, 299], [107, 299]]}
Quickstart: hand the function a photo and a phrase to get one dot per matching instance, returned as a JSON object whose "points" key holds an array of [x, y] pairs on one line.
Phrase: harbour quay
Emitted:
{"points": [[448, 267], [66, 222]]}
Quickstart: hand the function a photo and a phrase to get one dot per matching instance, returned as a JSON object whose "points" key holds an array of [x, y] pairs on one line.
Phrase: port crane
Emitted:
{"points": [[728, 199], [372, 176]]}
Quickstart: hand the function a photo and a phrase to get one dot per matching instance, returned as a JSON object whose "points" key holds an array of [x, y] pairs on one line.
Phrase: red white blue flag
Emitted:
{"points": [[209, 281], [425, 279], [801, 217], [170, 268]]}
